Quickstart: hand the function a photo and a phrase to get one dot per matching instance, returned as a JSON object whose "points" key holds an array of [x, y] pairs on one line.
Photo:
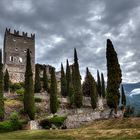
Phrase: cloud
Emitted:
{"points": [[61, 25]]}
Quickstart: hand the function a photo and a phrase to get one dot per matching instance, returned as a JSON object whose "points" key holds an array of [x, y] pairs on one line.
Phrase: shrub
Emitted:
{"points": [[56, 120], [16, 86], [20, 91], [14, 119]]}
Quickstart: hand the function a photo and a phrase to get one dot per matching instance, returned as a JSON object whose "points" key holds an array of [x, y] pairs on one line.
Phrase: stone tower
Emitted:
{"points": [[14, 54]]}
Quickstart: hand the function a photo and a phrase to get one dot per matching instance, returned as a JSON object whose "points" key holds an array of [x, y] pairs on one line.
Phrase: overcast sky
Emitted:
{"points": [[61, 25]]}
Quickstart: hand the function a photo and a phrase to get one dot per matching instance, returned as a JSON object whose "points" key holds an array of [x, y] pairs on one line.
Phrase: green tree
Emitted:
{"points": [[6, 81], [123, 99], [113, 77], [103, 85], [63, 82], [29, 103], [68, 77], [99, 84], [1, 89], [78, 96], [37, 86], [45, 80], [92, 89], [53, 94], [86, 86]]}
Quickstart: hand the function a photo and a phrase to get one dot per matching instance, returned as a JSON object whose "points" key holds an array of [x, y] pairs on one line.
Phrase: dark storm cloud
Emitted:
{"points": [[61, 25]]}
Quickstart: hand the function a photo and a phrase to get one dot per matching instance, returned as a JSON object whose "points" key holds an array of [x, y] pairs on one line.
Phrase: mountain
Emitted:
{"points": [[132, 91]]}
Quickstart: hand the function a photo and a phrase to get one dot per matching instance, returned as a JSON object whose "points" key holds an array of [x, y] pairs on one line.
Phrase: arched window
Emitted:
{"points": [[20, 60]]}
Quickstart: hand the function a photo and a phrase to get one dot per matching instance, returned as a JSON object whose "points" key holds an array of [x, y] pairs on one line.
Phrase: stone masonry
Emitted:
{"points": [[14, 54]]}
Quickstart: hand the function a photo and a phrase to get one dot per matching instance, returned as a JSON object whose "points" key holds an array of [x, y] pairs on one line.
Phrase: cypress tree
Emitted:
{"points": [[113, 77], [85, 86], [37, 85], [92, 89], [103, 85], [123, 99], [63, 82], [29, 103], [45, 80], [6, 81], [78, 97], [68, 76], [1, 89], [99, 84], [53, 94]]}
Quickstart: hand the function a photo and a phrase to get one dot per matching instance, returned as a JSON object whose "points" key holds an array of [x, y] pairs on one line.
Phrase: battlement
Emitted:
{"points": [[16, 33]]}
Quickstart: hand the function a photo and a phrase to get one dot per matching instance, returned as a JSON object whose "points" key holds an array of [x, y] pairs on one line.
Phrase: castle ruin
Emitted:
{"points": [[14, 54]]}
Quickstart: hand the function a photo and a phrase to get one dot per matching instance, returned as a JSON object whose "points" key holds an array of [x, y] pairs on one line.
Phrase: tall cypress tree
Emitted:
{"points": [[92, 89], [45, 79], [78, 97], [113, 77], [85, 86], [68, 76], [123, 99], [29, 103], [103, 85], [99, 84], [37, 86], [6, 81], [1, 89], [53, 94], [63, 82]]}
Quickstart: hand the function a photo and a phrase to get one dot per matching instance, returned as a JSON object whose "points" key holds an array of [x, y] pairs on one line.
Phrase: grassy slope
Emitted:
{"points": [[107, 129]]}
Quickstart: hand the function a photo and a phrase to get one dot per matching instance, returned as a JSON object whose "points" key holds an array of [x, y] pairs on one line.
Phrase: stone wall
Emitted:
{"points": [[15, 48]]}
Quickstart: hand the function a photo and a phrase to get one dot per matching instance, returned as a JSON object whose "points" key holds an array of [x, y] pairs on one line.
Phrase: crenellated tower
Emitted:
{"points": [[14, 53]]}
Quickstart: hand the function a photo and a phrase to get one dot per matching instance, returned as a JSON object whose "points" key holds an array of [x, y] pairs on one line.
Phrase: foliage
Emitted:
{"points": [[37, 86], [16, 86], [12, 124], [63, 82], [78, 96], [113, 77], [92, 89], [56, 120], [1, 89], [53, 93], [29, 103], [68, 78], [99, 87], [6, 81], [123, 98], [103, 85], [37, 99], [45, 80], [20, 91]]}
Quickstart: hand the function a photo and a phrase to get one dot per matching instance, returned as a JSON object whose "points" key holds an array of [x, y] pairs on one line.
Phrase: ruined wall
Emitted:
{"points": [[14, 51]]}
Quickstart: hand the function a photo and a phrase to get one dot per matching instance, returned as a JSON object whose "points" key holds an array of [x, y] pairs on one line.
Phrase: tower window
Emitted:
{"points": [[11, 58], [16, 49], [20, 60]]}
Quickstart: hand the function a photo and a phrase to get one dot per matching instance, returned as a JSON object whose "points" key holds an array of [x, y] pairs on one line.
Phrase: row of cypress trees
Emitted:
{"points": [[37, 85], [101, 85]]}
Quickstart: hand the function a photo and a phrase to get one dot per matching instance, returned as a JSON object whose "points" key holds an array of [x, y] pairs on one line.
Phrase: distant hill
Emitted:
{"points": [[132, 91], [131, 86]]}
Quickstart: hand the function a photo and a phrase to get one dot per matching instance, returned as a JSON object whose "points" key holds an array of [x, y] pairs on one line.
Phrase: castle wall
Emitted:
{"points": [[15, 49]]}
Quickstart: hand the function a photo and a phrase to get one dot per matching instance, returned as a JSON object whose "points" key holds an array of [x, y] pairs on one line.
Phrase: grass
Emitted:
{"points": [[100, 130]]}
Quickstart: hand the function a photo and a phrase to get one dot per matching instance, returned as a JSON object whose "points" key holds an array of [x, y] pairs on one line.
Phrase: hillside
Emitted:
{"points": [[126, 128]]}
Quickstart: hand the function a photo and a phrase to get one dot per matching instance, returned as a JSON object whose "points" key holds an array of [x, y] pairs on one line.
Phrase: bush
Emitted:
{"points": [[56, 120], [20, 91], [16, 86], [37, 99]]}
